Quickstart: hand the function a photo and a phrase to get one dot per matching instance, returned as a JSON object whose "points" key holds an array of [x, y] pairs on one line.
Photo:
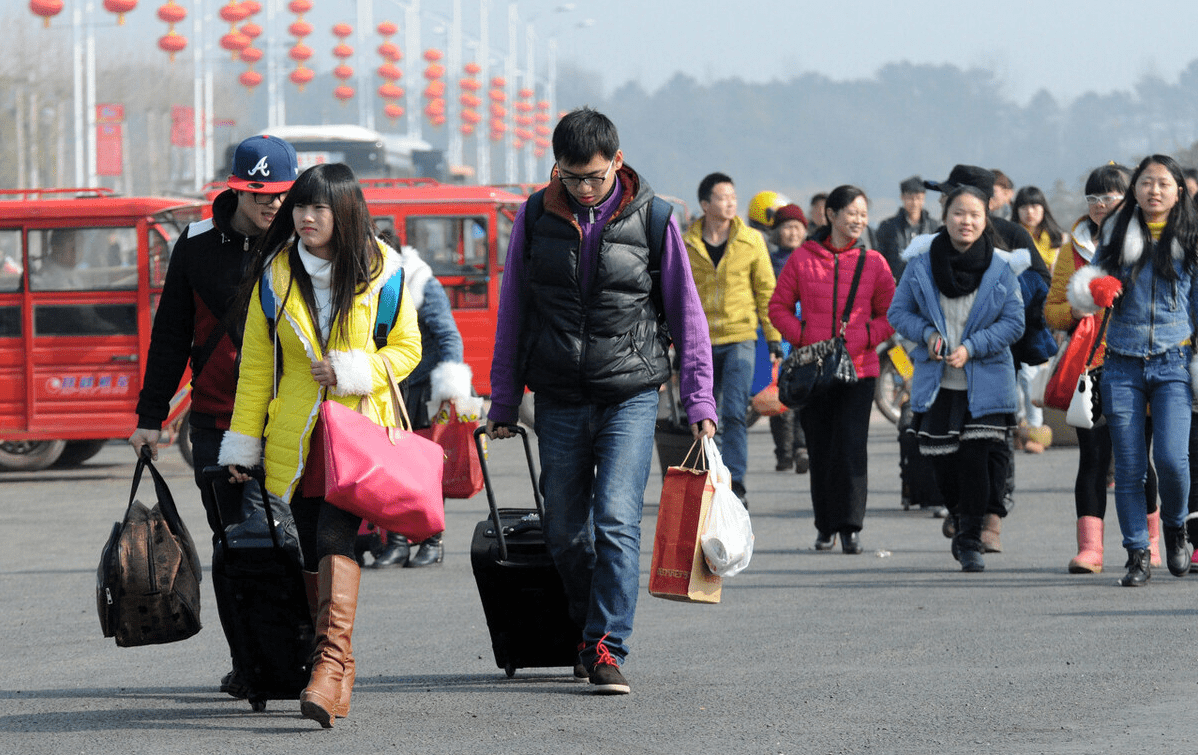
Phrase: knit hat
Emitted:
{"points": [[912, 185], [965, 175], [789, 212], [264, 165]]}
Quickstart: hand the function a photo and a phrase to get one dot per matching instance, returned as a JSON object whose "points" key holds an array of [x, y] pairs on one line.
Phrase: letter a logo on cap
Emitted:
{"points": [[262, 168]]}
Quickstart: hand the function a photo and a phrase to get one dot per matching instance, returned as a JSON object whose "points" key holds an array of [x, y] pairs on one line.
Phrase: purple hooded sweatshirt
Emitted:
{"points": [[683, 310]]}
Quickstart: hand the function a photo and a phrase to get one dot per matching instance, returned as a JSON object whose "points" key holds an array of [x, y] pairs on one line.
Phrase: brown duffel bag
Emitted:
{"points": [[148, 581]]}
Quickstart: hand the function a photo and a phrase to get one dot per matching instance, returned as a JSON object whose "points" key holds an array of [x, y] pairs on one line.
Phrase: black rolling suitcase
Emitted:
{"points": [[263, 605], [521, 591]]}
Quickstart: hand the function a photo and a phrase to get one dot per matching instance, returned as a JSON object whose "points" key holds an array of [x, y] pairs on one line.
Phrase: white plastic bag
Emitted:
{"points": [[727, 538]]}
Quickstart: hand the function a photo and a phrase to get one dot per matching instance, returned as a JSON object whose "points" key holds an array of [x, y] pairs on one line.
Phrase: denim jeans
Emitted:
{"points": [[1129, 385], [595, 461], [733, 364]]}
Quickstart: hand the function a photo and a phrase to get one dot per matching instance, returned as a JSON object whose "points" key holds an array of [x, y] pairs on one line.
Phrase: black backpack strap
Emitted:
{"points": [[534, 208]]}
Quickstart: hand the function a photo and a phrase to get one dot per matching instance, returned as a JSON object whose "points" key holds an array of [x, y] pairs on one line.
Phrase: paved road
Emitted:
{"points": [[808, 652]]}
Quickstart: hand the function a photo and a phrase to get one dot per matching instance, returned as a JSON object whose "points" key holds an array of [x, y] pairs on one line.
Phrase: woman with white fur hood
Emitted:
{"points": [[1144, 272], [959, 301], [441, 375]]}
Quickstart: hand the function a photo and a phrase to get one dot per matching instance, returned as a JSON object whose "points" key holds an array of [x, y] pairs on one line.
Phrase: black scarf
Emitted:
{"points": [[959, 273]]}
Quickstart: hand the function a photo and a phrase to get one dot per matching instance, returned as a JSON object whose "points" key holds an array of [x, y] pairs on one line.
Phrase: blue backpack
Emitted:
{"points": [[384, 321]]}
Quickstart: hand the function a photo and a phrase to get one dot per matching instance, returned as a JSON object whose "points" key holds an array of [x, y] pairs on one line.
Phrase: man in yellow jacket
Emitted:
{"points": [[732, 270]]}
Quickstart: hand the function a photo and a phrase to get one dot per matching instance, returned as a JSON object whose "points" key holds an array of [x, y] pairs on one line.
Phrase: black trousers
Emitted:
{"points": [[837, 429], [973, 480]]}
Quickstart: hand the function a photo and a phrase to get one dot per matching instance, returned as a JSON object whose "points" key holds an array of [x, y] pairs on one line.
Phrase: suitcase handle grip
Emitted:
{"points": [[479, 432]]}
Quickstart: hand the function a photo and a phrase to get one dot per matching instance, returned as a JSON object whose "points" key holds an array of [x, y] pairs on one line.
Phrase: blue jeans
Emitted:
{"points": [[733, 364], [1129, 385], [595, 461]]}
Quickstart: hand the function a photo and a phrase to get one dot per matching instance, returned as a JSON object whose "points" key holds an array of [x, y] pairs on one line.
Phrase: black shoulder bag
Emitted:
{"points": [[811, 370]]}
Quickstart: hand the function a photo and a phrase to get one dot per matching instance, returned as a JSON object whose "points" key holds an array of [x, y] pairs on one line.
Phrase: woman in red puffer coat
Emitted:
{"points": [[817, 277]]}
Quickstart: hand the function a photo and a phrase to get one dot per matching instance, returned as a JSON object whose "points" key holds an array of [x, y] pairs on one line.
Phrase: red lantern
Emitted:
{"points": [[251, 30], [524, 107], [390, 72], [524, 134], [497, 125], [435, 107], [498, 82], [387, 29], [433, 55], [472, 69], [120, 8], [434, 71], [526, 94], [517, 144], [343, 72], [172, 43], [522, 120], [496, 136], [342, 30], [300, 52], [235, 42], [471, 116], [390, 91], [250, 55], [542, 130], [543, 105], [434, 90], [344, 92], [498, 95], [299, 7], [437, 120], [470, 85], [498, 111], [390, 51], [47, 9], [252, 8], [171, 13], [541, 117], [541, 143], [234, 13], [467, 129], [343, 51], [470, 100], [301, 76], [300, 29], [393, 111], [250, 79]]}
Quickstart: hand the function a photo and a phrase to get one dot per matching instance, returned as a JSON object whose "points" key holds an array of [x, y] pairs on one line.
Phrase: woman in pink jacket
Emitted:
{"points": [[817, 277]]}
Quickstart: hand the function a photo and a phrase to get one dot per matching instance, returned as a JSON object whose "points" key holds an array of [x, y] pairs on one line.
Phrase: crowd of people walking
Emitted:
{"points": [[606, 296]]}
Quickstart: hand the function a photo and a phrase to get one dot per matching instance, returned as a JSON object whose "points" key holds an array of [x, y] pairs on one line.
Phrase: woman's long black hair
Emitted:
{"points": [[1032, 195], [1181, 225], [356, 256]]}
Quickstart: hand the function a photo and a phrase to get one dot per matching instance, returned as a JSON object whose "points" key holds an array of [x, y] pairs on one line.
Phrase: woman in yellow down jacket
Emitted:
{"points": [[325, 269]]}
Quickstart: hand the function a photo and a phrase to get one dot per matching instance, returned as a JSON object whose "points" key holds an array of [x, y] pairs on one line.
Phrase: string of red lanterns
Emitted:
{"points": [[172, 13], [300, 52], [498, 96], [435, 91], [389, 72], [343, 71], [470, 101]]}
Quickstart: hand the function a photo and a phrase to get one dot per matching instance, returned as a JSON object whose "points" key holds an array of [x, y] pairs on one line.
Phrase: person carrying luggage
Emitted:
{"points": [[325, 269], [192, 323], [586, 316]]}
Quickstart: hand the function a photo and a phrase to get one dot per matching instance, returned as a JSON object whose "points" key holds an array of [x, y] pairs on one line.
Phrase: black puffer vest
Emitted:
{"points": [[610, 346]]}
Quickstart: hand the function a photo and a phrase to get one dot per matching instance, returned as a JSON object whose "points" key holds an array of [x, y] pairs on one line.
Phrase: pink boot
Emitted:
{"points": [[1154, 536], [1089, 546]]}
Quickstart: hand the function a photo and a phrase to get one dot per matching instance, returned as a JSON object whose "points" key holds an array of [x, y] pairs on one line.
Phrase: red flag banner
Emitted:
{"points": [[183, 132]]}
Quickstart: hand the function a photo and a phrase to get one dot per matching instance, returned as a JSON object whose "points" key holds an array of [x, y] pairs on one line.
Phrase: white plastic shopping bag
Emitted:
{"points": [[728, 537]]}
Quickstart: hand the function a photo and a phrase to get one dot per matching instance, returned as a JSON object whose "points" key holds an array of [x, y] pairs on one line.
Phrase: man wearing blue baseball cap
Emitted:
{"points": [[194, 323]]}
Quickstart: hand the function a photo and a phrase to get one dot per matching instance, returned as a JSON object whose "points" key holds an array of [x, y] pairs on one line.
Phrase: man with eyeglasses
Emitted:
{"points": [[193, 322], [589, 306]]}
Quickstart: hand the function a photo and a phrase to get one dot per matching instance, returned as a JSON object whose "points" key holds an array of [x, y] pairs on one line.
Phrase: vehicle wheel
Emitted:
{"points": [[890, 390], [30, 455], [184, 441], [79, 451]]}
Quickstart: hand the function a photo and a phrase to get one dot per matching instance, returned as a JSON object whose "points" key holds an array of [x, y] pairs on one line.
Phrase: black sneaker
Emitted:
{"points": [[234, 686], [1139, 568], [608, 680], [580, 671], [1177, 553]]}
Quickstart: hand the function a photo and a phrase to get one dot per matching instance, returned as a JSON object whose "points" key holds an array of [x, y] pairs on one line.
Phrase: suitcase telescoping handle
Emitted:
{"points": [[214, 473], [532, 476]]}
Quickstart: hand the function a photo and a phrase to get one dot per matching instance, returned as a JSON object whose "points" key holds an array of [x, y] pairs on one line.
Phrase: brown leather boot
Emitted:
{"points": [[311, 588], [991, 528], [327, 695]]}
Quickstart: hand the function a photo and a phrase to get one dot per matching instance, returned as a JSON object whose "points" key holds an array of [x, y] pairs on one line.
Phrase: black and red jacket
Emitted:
{"points": [[205, 270]]}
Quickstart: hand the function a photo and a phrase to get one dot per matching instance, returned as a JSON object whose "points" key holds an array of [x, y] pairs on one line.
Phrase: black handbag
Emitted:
{"points": [[810, 371]]}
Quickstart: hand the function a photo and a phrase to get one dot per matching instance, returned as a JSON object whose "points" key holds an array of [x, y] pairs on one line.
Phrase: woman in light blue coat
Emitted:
{"points": [[959, 301]]}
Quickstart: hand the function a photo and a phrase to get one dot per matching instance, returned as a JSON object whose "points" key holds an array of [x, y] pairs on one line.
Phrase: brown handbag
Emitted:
{"points": [[148, 581]]}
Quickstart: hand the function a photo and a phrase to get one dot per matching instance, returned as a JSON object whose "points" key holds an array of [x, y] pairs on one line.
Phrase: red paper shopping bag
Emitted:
{"points": [[678, 570], [463, 476]]}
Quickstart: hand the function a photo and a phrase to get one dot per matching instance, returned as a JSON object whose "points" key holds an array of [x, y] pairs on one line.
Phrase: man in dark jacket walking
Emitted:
{"points": [[894, 234], [580, 322], [192, 323]]}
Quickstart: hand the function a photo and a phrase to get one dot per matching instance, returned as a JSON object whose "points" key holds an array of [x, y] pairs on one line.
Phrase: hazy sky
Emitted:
{"points": [[1065, 46]]}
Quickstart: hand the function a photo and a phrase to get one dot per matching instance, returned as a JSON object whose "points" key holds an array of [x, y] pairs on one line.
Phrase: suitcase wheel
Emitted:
{"points": [[510, 670]]}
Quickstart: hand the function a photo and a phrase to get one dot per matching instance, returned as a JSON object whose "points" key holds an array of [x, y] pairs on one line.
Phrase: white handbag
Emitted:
{"points": [[1085, 408]]}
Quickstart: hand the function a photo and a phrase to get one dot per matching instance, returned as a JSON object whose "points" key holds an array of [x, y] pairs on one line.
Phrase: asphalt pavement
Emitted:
{"points": [[891, 651]]}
